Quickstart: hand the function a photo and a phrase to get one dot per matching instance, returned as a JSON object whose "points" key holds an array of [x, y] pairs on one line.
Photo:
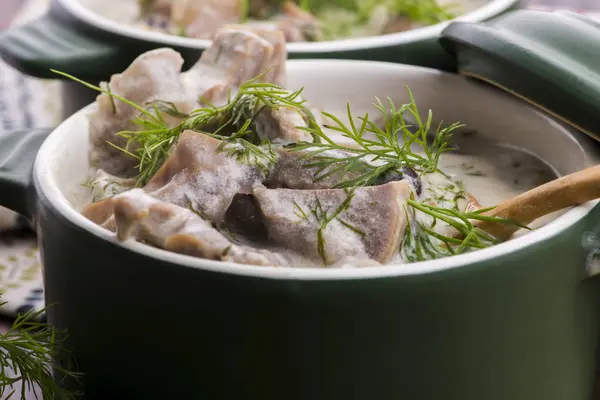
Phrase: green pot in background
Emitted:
{"points": [[73, 39]]}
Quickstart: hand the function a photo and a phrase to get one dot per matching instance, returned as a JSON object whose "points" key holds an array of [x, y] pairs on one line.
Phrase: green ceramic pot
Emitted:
{"points": [[516, 321], [74, 39]]}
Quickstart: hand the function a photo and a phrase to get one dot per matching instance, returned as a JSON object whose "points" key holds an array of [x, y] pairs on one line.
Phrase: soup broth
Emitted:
{"points": [[225, 163]]}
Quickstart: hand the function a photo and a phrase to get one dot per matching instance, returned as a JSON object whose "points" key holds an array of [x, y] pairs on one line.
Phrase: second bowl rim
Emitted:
{"points": [[81, 12]]}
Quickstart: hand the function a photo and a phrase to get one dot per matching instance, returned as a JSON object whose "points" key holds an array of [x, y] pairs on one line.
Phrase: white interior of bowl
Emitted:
{"points": [[79, 10], [62, 162]]}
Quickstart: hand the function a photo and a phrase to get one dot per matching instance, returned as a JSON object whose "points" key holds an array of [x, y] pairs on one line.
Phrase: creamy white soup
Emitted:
{"points": [[224, 162]]}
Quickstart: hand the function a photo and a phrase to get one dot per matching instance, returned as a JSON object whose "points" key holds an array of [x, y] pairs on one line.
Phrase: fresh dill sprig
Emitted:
{"points": [[300, 212], [155, 137], [151, 142], [422, 242], [251, 99], [376, 149], [29, 348], [324, 218], [244, 151], [427, 12]]}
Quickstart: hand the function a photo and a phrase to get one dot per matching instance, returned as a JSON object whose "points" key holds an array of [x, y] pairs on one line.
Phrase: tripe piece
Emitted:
{"points": [[333, 224], [153, 76]]}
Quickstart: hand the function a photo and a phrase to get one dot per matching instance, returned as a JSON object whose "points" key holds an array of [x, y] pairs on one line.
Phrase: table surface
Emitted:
{"points": [[9, 8]]}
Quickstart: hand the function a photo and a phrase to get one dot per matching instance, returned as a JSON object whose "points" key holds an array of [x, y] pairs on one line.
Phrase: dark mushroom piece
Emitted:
{"points": [[405, 173], [244, 220]]}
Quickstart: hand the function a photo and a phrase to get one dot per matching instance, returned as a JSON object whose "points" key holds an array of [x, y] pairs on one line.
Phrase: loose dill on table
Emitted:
{"points": [[30, 349]]}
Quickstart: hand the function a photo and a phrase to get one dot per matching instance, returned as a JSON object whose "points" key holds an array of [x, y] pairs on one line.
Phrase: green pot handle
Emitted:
{"points": [[549, 59], [46, 43], [60, 41], [18, 150]]}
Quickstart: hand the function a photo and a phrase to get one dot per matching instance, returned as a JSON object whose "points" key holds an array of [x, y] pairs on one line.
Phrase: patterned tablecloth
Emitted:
{"points": [[24, 103], [28, 103]]}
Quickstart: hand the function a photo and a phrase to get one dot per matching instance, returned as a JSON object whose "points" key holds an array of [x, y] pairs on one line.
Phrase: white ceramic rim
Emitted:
{"points": [[494, 7], [46, 183]]}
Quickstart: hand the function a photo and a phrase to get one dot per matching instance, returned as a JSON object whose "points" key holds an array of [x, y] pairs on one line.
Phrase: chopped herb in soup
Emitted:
{"points": [[223, 162]]}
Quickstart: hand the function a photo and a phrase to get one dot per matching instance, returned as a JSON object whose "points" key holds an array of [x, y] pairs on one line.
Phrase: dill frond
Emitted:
{"points": [[29, 348], [151, 142], [422, 242], [377, 149]]}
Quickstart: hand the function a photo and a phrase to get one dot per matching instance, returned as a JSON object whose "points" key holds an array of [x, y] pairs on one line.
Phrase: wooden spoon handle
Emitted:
{"points": [[568, 191]]}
